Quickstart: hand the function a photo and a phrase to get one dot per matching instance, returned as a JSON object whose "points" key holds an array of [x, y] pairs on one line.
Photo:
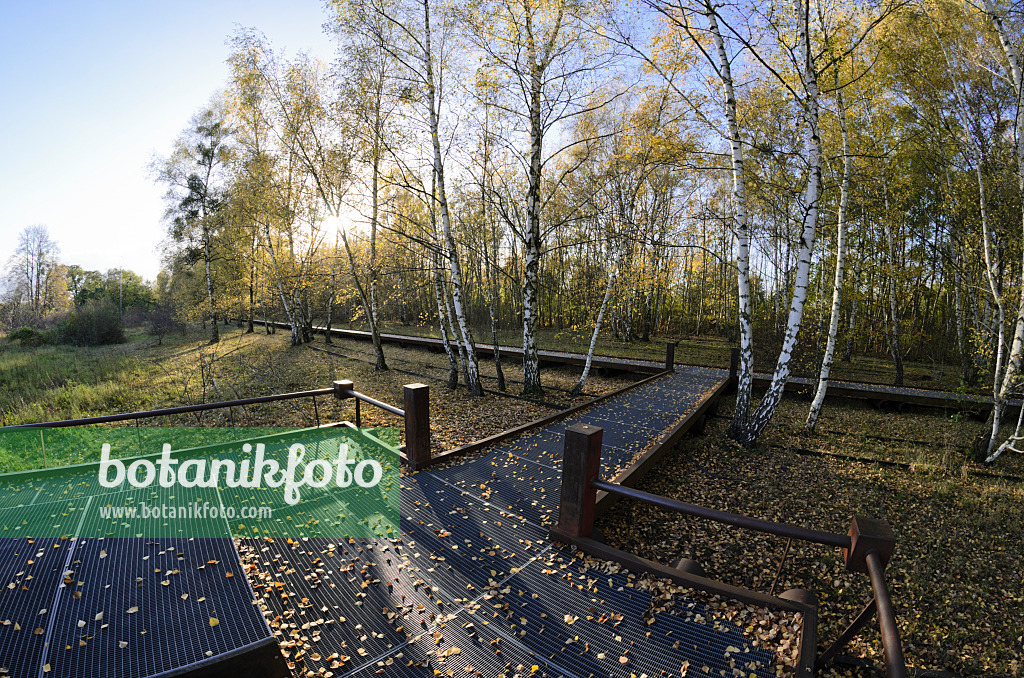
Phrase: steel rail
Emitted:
{"points": [[746, 522], [183, 409]]}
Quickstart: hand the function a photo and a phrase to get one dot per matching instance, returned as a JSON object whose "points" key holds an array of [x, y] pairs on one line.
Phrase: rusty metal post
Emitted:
{"points": [[734, 369], [581, 464], [826, 657], [343, 388], [892, 646], [417, 425], [868, 534], [670, 357], [871, 545]]}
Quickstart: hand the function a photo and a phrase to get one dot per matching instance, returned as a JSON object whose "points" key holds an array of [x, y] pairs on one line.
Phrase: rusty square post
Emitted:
{"points": [[343, 388], [871, 545], [868, 534], [581, 463], [417, 425], [670, 357]]}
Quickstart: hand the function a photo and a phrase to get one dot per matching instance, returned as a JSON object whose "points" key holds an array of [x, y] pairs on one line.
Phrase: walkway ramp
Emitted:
{"points": [[475, 588]]}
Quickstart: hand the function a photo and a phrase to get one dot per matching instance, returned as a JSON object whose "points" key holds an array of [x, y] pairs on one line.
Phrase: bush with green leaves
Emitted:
{"points": [[94, 323], [31, 336]]}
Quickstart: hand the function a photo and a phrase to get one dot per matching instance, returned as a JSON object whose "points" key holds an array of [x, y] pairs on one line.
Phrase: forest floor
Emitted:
{"points": [[957, 572], [956, 577]]}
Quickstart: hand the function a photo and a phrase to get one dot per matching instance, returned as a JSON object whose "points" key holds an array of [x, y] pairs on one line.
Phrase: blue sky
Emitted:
{"points": [[92, 90]]}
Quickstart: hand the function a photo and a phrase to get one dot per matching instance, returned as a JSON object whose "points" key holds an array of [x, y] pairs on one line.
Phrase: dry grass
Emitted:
{"points": [[53, 383]]}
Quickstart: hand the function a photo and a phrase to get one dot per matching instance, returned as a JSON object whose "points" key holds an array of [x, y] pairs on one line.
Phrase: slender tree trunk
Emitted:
{"points": [[381, 364], [1013, 360], [331, 292], [766, 408], [442, 319], [532, 251], [252, 298], [490, 262], [451, 325], [466, 337], [852, 325], [741, 412], [837, 285], [578, 388], [215, 334], [288, 310], [892, 322], [371, 310]]}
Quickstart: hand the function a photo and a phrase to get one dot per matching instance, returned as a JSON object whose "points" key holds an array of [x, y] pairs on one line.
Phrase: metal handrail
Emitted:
{"points": [[416, 414], [892, 648], [373, 401], [746, 522], [881, 604], [181, 409]]}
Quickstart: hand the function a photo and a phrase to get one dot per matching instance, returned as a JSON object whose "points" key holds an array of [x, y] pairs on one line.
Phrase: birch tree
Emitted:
{"points": [[837, 284], [710, 29], [1010, 375], [543, 59]]}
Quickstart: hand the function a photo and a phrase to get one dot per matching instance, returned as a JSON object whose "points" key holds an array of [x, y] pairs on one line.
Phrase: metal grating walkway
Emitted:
{"points": [[473, 587]]}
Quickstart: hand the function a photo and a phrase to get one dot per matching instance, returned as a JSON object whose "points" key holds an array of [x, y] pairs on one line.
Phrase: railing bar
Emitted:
{"points": [[826, 657], [377, 403], [780, 529], [892, 648], [178, 410], [778, 573]]}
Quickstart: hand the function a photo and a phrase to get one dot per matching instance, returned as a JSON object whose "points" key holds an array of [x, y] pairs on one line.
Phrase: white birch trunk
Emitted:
{"points": [[612, 275], [1013, 360], [766, 408], [531, 254], [288, 311], [837, 284], [741, 230], [464, 334], [442, 319], [381, 364]]}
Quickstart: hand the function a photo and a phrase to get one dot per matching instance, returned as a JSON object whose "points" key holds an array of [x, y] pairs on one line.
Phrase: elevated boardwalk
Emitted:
{"points": [[474, 587], [878, 394], [487, 350]]}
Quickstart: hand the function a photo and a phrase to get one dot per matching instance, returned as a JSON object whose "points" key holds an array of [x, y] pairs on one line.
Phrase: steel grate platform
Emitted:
{"points": [[470, 587]]}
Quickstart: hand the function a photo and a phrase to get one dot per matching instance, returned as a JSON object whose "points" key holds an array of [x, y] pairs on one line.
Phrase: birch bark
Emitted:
{"points": [[741, 228], [609, 287], [837, 284], [1013, 360], [464, 334], [759, 419]]}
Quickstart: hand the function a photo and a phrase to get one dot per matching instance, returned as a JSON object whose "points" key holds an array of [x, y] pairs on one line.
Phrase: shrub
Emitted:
{"points": [[94, 323], [162, 321], [30, 336]]}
